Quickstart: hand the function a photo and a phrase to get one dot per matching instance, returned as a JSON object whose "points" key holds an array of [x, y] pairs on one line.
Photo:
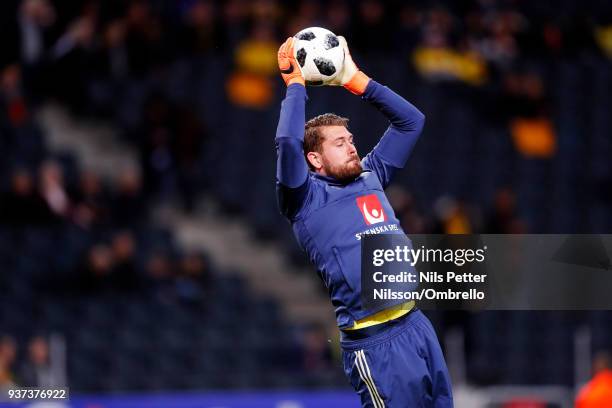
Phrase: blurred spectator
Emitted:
{"points": [[79, 33], [306, 15], [95, 274], [53, 190], [155, 136], [171, 139], [19, 132], [257, 54], [436, 57], [35, 18], [598, 392], [503, 218], [128, 202], [527, 105], [8, 352], [27, 34], [37, 370], [250, 85], [499, 46], [405, 209], [112, 59], [22, 205], [125, 271], [338, 17], [146, 49], [160, 277], [193, 280], [71, 55], [409, 29], [235, 19], [12, 96], [109, 69], [373, 30], [452, 216], [444, 64], [524, 95], [265, 10], [90, 201], [199, 35]]}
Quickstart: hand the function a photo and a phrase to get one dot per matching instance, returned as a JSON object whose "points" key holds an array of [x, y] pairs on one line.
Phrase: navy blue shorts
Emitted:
{"points": [[400, 366]]}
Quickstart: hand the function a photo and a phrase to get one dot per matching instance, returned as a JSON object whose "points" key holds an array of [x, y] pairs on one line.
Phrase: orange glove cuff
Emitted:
{"points": [[358, 83]]}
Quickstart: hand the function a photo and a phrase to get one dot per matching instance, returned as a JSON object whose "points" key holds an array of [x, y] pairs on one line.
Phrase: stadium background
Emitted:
{"points": [[141, 250]]}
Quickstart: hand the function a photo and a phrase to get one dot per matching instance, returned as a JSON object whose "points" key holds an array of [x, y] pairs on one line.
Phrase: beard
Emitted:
{"points": [[345, 172]]}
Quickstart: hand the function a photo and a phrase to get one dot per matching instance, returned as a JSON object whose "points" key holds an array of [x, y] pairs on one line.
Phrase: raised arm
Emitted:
{"points": [[394, 148], [291, 168]]}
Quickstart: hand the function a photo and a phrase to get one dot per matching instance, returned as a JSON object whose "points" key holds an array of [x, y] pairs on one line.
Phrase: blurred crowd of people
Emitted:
{"points": [[111, 264], [82, 42], [108, 59], [115, 268], [42, 196], [89, 38], [85, 52], [34, 367], [41, 189], [90, 54], [454, 216]]}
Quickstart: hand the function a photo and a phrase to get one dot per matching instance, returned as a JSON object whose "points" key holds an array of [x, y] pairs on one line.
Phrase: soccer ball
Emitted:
{"points": [[319, 54]]}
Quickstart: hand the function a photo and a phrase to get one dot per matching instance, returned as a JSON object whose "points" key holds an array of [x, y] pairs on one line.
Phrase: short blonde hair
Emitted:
{"points": [[313, 137]]}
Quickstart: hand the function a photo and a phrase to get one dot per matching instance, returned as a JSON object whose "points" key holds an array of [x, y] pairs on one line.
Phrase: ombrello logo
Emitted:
{"points": [[371, 209]]}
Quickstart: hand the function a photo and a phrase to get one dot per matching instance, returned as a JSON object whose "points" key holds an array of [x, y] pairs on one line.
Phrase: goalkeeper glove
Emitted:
{"points": [[351, 77], [289, 68]]}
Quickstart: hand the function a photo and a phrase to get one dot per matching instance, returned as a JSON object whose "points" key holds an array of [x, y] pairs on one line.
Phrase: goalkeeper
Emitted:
{"points": [[391, 357]]}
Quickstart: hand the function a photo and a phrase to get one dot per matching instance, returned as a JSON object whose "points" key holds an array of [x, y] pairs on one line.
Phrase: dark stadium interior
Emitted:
{"points": [[194, 87]]}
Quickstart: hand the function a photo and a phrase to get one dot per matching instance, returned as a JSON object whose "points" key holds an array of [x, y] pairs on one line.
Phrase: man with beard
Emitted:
{"points": [[392, 356]]}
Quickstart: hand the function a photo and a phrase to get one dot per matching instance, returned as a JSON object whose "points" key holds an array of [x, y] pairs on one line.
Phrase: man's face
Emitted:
{"points": [[338, 157]]}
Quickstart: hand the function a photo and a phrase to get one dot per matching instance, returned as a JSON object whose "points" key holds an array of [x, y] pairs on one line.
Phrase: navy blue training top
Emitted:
{"points": [[328, 217]]}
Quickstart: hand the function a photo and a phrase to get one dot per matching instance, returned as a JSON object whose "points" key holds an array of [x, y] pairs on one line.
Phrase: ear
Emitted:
{"points": [[315, 160]]}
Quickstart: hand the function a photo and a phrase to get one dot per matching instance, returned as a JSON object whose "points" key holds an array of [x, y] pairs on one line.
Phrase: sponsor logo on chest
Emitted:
{"points": [[371, 209]]}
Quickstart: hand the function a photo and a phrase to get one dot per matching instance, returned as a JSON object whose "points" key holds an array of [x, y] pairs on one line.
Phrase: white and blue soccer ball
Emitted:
{"points": [[319, 54]]}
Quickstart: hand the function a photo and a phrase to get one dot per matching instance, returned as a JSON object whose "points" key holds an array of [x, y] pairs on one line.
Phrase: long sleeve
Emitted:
{"points": [[394, 148], [291, 167]]}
